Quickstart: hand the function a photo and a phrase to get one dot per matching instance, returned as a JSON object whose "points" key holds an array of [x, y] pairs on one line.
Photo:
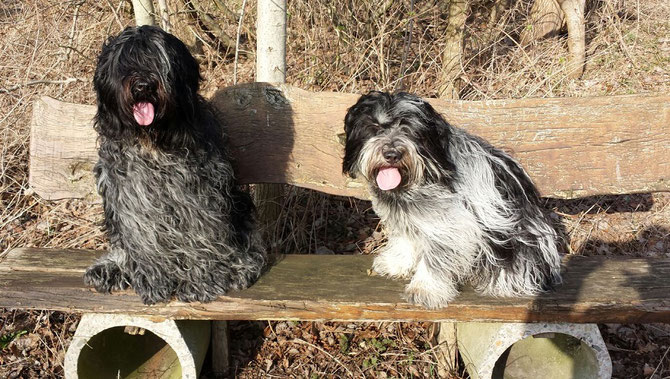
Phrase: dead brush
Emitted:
{"points": [[316, 223], [355, 46], [53, 60], [496, 66]]}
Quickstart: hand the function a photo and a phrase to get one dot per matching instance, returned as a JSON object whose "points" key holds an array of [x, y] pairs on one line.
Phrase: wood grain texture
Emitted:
{"points": [[571, 147], [62, 150], [337, 287]]}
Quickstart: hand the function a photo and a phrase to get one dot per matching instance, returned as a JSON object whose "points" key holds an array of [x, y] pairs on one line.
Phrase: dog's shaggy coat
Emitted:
{"points": [[455, 208], [177, 223]]}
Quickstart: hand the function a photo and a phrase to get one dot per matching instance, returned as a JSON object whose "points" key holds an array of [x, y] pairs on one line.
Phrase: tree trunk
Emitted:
{"points": [[453, 51], [270, 67], [144, 12], [545, 19], [574, 14], [164, 15], [271, 41], [446, 352]]}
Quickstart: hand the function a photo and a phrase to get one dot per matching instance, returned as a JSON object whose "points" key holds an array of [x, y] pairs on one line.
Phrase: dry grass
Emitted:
{"points": [[333, 349], [40, 341], [46, 50], [48, 47]]}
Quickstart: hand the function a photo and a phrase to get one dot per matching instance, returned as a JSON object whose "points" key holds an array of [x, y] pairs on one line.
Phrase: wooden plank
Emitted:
{"points": [[49, 260], [337, 287], [571, 147], [62, 150]]}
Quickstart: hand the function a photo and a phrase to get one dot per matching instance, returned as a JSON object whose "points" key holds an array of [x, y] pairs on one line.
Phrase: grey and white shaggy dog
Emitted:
{"points": [[456, 209], [177, 224]]}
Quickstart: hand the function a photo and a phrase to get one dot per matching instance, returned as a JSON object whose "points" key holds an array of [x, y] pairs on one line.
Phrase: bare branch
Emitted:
{"points": [[73, 29], [116, 14], [237, 42], [212, 25], [453, 51], [35, 82], [164, 15], [574, 14]]}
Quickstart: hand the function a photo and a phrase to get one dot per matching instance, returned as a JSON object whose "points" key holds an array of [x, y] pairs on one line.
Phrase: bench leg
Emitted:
{"points": [[220, 350], [532, 350], [102, 347]]}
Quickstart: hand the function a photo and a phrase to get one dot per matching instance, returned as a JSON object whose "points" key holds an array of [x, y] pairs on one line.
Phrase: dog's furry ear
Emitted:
{"points": [[352, 144], [348, 165], [430, 131], [360, 123]]}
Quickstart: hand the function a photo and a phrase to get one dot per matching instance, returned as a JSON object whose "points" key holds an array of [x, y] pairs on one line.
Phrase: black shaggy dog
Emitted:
{"points": [[456, 209], [177, 223]]}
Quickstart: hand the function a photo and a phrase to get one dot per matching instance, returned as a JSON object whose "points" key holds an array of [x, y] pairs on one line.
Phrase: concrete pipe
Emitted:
{"points": [[541, 350], [110, 346]]}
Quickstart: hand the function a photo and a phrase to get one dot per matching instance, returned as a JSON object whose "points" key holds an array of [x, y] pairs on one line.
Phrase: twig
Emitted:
{"points": [[560, 71], [212, 25], [228, 13], [233, 17], [73, 29], [660, 362], [408, 41], [18, 215], [81, 55], [523, 51], [34, 82], [115, 13], [237, 41], [615, 26], [295, 340], [271, 328], [583, 215]]}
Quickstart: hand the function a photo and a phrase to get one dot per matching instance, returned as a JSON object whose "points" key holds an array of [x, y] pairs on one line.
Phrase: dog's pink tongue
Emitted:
{"points": [[144, 113], [388, 178]]}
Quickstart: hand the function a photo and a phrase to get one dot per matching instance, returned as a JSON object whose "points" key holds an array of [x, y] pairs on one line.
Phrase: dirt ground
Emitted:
{"points": [[49, 47]]}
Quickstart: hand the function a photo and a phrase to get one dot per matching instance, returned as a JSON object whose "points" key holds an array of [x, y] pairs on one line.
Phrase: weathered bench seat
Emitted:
{"points": [[338, 287]]}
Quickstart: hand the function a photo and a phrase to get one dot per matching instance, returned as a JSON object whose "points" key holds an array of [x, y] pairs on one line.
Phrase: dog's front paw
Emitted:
{"points": [[389, 265], [428, 297], [106, 277]]}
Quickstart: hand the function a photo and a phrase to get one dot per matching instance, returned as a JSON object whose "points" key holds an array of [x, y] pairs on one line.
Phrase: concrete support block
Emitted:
{"points": [[534, 350], [123, 346]]}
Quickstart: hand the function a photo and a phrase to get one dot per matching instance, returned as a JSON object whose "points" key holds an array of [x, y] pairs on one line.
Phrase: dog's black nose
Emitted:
{"points": [[142, 87], [392, 156]]}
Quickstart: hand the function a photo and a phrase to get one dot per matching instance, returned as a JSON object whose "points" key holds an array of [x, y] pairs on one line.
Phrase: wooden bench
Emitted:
{"points": [[571, 148]]}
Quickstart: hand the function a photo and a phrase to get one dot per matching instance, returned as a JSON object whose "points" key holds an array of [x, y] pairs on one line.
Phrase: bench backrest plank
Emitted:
{"points": [[337, 287], [571, 147]]}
